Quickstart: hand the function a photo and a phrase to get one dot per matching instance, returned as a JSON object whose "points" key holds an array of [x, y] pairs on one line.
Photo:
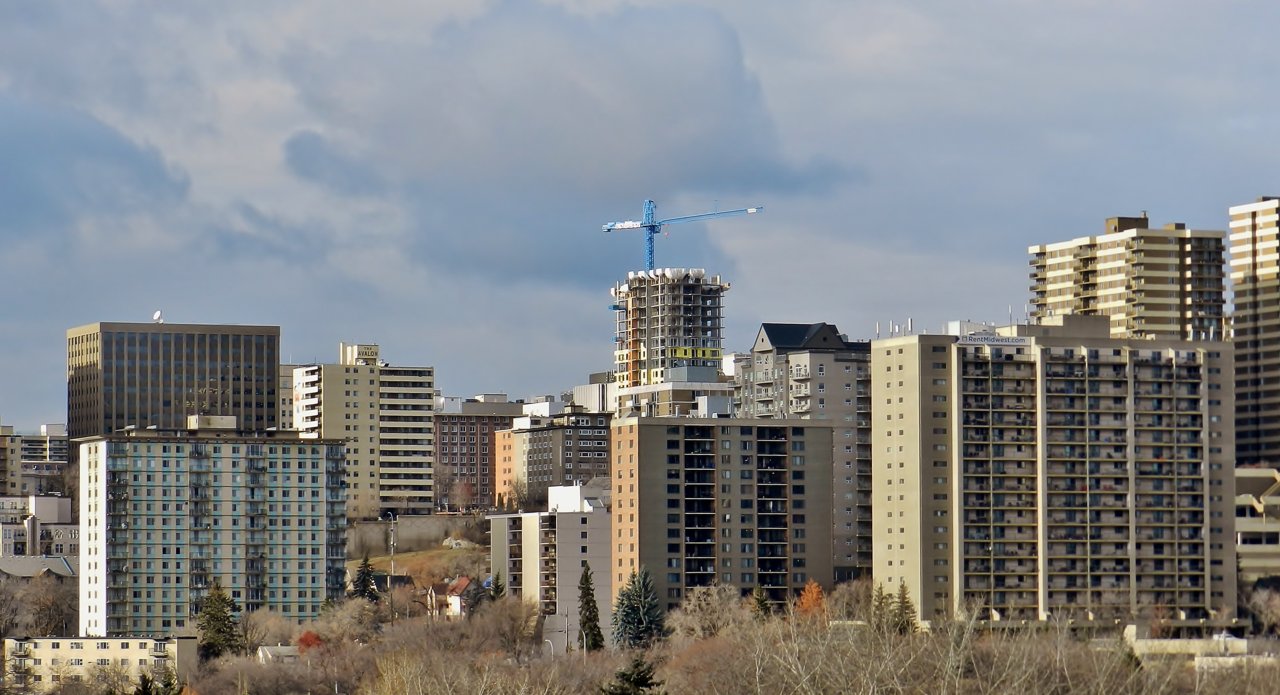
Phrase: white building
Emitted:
{"points": [[541, 556], [164, 514], [46, 664], [384, 414]]}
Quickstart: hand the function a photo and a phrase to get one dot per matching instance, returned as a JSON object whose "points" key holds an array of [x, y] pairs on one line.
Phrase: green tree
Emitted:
{"points": [[903, 613], [636, 679], [881, 609], [364, 585], [498, 589], [216, 622], [638, 620], [760, 603], [588, 612]]}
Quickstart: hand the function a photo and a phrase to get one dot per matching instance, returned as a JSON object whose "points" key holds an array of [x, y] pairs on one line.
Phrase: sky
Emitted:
{"points": [[433, 176]]}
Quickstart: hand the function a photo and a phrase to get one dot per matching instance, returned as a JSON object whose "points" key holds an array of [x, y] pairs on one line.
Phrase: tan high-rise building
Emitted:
{"points": [[1255, 285], [668, 317], [34, 464], [1053, 470], [384, 414], [1165, 283], [156, 374], [539, 452], [735, 501], [810, 371]]}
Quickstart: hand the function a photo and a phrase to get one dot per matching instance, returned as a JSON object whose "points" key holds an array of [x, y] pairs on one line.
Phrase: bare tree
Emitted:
{"points": [[50, 606], [708, 611]]}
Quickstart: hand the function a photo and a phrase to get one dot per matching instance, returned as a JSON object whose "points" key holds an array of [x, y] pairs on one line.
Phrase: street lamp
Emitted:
{"points": [[391, 599]]}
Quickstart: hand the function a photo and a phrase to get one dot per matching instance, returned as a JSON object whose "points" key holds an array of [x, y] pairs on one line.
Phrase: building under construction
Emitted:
{"points": [[666, 317]]}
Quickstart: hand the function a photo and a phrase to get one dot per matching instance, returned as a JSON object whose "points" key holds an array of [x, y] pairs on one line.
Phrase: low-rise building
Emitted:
{"points": [[47, 663]]}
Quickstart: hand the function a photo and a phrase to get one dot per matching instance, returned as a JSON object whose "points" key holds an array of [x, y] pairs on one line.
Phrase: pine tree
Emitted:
{"points": [[216, 622], [498, 589], [364, 585], [588, 612], [638, 621], [760, 603], [904, 612], [881, 609], [636, 679], [812, 602]]}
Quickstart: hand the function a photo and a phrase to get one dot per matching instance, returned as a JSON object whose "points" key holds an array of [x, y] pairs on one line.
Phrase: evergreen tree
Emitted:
{"points": [[588, 612], [363, 585], [904, 612], [216, 622], [498, 589], [881, 609], [473, 597], [760, 603], [638, 620], [636, 679]]}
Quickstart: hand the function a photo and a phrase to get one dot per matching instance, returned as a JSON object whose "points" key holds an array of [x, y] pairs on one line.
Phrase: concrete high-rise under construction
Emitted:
{"points": [[666, 318]]}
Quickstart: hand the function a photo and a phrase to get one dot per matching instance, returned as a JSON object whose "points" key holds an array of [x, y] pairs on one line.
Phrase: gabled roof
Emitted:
{"points": [[786, 337], [30, 566]]}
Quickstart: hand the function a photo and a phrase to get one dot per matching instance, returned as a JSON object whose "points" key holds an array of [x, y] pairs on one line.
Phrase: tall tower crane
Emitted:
{"points": [[652, 227]]}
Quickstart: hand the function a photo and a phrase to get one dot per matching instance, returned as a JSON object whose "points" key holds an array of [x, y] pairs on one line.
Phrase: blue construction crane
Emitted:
{"points": [[651, 227]]}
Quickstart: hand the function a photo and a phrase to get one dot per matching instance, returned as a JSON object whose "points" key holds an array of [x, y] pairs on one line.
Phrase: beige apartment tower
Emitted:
{"points": [[667, 317], [1151, 283], [1255, 284], [742, 502], [810, 371], [384, 414], [1053, 470]]}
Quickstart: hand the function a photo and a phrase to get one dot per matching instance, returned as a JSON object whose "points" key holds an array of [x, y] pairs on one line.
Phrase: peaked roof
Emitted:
{"points": [[785, 337]]}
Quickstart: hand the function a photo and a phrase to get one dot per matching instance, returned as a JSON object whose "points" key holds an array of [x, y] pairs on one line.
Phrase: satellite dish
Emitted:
{"points": [[158, 317]]}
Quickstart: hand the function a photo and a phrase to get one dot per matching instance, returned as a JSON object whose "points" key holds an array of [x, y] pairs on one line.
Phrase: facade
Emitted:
{"points": [[384, 414], [165, 513], [1052, 470], [1258, 523], [37, 525], [156, 374], [687, 392], [467, 448], [668, 317], [48, 664], [1255, 286], [1151, 283], [539, 452], [735, 501], [33, 464], [286, 396], [541, 555], [810, 371]]}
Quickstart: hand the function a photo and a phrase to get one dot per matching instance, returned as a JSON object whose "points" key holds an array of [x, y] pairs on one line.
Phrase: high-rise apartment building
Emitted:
{"points": [[542, 555], [668, 317], [810, 371], [384, 414], [540, 452], [33, 464], [165, 513], [734, 501], [467, 448], [1255, 285], [156, 374], [1258, 523], [1151, 283], [1052, 470]]}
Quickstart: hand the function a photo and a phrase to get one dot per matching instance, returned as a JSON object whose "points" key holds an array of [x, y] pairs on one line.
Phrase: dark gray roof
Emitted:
{"points": [[785, 337]]}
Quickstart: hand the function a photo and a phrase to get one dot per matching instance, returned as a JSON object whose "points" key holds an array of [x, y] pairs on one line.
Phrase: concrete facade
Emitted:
{"points": [[1255, 286], [737, 501], [33, 464], [1053, 470], [384, 414], [538, 453], [467, 458], [47, 664], [164, 514], [668, 317]]}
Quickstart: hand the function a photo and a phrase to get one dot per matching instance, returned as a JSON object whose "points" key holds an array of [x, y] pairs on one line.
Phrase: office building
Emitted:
{"points": [[33, 464], [743, 502], [811, 371], [467, 448], [384, 414], [541, 555], [540, 452], [156, 374], [1150, 283], [166, 513], [1052, 470], [668, 317], [1255, 318], [51, 663]]}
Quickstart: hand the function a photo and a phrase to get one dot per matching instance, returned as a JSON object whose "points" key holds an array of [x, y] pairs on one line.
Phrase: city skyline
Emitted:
{"points": [[287, 165]]}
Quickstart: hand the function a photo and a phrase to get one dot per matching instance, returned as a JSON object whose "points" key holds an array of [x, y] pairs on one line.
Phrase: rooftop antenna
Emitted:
{"points": [[158, 317]]}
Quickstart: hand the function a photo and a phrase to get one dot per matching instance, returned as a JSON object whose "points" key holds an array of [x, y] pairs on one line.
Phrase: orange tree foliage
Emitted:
{"points": [[812, 602]]}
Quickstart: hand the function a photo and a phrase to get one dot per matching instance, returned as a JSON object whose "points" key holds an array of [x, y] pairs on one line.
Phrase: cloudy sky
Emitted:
{"points": [[432, 176]]}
